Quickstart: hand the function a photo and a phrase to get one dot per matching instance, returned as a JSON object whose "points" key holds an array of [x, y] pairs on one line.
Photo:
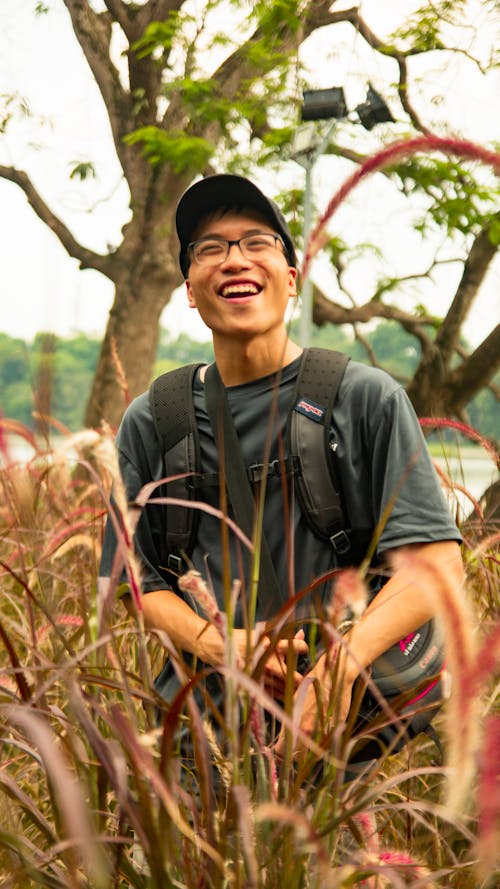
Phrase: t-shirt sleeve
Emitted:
{"points": [[140, 461], [407, 498]]}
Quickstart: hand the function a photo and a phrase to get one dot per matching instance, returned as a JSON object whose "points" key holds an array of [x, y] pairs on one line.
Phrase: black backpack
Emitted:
{"points": [[308, 425], [413, 663]]}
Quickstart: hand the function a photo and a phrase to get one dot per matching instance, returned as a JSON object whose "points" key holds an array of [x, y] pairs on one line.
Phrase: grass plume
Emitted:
{"points": [[93, 792]]}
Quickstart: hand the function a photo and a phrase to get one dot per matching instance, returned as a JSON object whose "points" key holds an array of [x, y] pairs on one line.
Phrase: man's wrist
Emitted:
{"points": [[349, 666], [210, 645]]}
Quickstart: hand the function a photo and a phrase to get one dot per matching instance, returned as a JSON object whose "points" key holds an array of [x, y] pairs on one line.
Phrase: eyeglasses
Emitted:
{"points": [[214, 251]]}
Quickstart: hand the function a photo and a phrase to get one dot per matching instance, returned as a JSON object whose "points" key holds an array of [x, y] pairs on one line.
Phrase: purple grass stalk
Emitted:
{"points": [[488, 543], [460, 646], [304, 830], [259, 731], [385, 158], [486, 661], [69, 620], [120, 373], [392, 859], [441, 422], [63, 537], [367, 823], [4, 450], [82, 847], [144, 763], [122, 517], [351, 593], [257, 725], [273, 773], [247, 833], [192, 582], [17, 428], [488, 800]]}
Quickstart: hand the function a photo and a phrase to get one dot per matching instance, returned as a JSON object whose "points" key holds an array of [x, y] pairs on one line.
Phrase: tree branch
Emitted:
{"points": [[477, 370], [121, 14], [134, 19], [93, 32], [235, 69], [327, 311], [475, 268], [370, 351], [353, 16], [87, 258]]}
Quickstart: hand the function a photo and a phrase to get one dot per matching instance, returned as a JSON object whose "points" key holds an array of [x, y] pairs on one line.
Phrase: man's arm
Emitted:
{"points": [[189, 632], [401, 607], [404, 603]]}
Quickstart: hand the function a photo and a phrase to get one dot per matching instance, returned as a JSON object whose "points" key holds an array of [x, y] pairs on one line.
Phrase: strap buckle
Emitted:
{"points": [[290, 466], [340, 542], [258, 471], [176, 564]]}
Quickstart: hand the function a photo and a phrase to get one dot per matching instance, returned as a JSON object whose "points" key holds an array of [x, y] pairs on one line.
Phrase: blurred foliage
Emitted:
{"points": [[75, 359]]}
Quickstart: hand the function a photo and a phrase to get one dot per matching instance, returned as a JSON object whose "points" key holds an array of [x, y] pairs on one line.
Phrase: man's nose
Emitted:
{"points": [[235, 256]]}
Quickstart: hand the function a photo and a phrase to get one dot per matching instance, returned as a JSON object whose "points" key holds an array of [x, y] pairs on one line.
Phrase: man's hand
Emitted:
{"points": [[274, 677], [326, 701]]}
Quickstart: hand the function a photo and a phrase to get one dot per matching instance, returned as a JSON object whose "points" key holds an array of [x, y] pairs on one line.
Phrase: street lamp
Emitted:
{"points": [[308, 145]]}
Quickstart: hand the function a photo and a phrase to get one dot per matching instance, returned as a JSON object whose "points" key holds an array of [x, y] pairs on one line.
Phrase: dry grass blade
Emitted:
{"points": [[81, 849]]}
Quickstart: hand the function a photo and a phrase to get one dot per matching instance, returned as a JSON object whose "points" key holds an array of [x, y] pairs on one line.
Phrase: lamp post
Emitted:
{"points": [[308, 145]]}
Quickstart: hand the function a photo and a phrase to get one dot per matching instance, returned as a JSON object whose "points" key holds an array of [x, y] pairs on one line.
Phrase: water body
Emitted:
{"points": [[472, 472]]}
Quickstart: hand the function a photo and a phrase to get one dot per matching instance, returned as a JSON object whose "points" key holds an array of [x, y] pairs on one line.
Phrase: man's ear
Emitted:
{"points": [[292, 281], [191, 299]]}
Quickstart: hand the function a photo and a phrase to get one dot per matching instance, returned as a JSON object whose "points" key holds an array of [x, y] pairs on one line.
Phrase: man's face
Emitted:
{"points": [[241, 296]]}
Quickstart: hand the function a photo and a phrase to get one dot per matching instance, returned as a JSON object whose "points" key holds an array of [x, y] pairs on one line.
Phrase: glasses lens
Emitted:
{"points": [[253, 245], [210, 252]]}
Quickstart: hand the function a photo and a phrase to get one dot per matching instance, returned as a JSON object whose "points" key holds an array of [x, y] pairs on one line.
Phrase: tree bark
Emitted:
{"points": [[131, 336]]}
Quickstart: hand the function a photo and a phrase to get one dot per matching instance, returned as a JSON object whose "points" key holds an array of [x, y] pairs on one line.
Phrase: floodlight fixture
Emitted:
{"points": [[308, 145], [373, 110], [324, 104]]}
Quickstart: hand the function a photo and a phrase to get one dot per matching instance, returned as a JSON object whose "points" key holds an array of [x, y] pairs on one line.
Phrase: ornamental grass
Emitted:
{"points": [[93, 792]]}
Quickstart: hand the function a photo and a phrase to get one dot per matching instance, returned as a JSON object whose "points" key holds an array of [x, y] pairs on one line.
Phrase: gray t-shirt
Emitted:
{"points": [[382, 462]]}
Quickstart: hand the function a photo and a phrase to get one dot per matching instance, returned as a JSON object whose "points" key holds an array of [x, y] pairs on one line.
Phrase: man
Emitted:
{"points": [[239, 263]]}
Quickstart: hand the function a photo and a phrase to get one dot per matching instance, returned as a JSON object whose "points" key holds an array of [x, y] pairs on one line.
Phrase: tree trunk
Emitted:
{"points": [[131, 336]]}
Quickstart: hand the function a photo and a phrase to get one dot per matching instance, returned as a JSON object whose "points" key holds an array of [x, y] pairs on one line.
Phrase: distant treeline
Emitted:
{"points": [[54, 375]]}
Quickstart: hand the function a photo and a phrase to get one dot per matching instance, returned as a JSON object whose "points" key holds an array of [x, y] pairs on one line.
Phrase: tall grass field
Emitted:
{"points": [[93, 791]]}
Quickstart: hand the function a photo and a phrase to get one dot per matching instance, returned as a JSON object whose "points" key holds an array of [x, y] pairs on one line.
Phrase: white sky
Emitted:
{"points": [[42, 288]]}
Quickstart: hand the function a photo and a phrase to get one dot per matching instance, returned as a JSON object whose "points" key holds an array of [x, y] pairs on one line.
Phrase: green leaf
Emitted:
{"points": [[458, 199], [83, 170], [422, 30], [494, 232], [182, 151], [160, 35]]}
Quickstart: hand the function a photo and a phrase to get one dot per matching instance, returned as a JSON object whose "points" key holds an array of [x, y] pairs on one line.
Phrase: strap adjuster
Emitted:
{"points": [[176, 564], [340, 542], [290, 466]]}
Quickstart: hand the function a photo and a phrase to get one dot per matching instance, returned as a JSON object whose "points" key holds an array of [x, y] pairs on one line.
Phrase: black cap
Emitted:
{"points": [[226, 191]]}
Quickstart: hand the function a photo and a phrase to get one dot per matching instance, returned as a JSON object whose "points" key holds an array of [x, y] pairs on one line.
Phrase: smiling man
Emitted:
{"points": [[240, 267]]}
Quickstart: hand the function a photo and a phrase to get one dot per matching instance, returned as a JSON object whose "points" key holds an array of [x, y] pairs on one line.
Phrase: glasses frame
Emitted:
{"points": [[191, 247]]}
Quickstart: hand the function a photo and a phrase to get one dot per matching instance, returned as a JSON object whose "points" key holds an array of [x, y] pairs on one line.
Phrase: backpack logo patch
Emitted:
{"points": [[310, 409]]}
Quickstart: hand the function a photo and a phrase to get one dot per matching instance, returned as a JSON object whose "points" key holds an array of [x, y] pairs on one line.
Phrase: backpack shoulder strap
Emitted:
{"points": [[171, 404], [172, 408], [320, 375]]}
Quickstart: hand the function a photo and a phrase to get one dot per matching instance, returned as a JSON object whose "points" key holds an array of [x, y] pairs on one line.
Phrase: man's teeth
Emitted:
{"points": [[233, 289]]}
